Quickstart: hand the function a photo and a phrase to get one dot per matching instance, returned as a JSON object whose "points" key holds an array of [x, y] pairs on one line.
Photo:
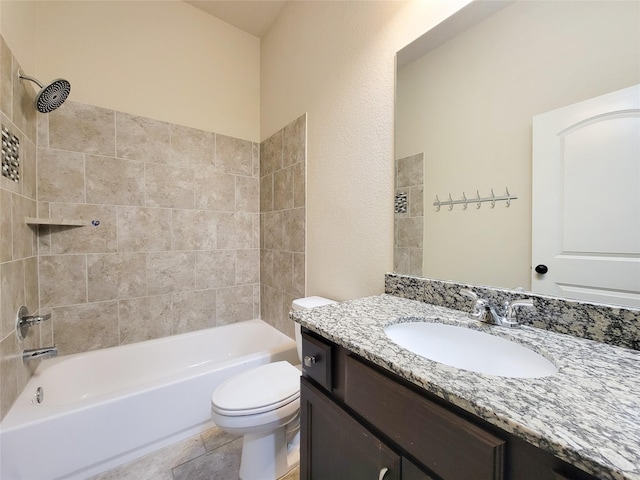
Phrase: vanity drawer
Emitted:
{"points": [[449, 445], [317, 361]]}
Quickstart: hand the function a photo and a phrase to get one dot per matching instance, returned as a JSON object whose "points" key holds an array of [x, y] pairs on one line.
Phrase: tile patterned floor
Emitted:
{"points": [[211, 455]]}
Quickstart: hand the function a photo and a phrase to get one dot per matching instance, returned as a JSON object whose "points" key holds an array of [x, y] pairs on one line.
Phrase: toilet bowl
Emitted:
{"points": [[263, 405]]}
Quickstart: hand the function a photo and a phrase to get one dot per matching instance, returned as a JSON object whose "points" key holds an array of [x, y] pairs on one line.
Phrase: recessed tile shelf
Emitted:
{"points": [[54, 221]]}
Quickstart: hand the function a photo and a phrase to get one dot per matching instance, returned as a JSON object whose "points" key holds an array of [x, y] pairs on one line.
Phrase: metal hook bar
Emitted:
{"points": [[464, 201]]}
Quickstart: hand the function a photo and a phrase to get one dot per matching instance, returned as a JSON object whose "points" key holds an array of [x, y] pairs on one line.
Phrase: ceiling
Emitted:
{"points": [[252, 16]]}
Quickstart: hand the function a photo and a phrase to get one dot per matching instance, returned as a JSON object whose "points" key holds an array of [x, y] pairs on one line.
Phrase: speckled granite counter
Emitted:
{"points": [[587, 414]]}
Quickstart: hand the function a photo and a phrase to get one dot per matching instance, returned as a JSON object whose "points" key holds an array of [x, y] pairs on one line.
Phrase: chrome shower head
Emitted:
{"points": [[51, 96]]}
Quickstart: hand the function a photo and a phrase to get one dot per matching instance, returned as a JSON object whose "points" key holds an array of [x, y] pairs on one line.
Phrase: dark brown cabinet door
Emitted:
{"points": [[336, 447]]}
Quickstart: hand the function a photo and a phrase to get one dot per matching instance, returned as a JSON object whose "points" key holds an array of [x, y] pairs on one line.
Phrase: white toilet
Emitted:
{"points": [[263, 404]]}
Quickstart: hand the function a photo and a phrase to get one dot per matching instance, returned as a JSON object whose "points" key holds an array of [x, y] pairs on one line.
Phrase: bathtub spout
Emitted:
{"points": [[39, 353]]}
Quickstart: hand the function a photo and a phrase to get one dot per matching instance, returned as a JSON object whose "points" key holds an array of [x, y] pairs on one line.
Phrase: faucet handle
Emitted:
{"points": [[481, 307], [510, 307], [469, 293]]}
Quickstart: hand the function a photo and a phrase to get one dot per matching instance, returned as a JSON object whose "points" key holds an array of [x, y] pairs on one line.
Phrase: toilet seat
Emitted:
{"points": [[261, 389]]}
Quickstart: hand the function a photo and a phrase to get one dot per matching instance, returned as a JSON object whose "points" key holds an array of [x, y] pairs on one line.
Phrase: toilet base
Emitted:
{"points": [[269, 456]]}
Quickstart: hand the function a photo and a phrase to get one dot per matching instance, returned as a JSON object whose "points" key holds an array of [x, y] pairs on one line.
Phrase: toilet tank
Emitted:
{"points": [[304, 304]]}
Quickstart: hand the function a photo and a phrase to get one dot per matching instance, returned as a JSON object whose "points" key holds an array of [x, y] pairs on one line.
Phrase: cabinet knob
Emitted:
{"points": [[309, 361], [383, 473]]}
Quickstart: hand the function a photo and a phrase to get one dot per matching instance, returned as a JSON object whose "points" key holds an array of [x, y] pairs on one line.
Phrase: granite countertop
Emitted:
{"points": [[587, 414]]}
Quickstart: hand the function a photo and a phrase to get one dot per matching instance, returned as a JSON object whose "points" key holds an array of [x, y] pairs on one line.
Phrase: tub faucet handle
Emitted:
{"points": [[24, 321]]}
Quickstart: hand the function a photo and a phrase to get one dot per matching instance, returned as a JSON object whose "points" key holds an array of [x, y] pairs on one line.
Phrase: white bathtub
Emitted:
{"points": [[107, 407]]}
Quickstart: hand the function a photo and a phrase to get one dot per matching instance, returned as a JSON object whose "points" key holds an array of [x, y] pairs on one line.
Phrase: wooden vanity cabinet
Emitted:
{"points": [[358, 420]]}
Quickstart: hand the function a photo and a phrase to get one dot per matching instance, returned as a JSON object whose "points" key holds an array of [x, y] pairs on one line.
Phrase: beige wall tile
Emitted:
{"points": [[28, 169], [247, 194], [294, 227], [144, 229], [60, 176], [42, 127], [194, 310], [31, 282], [215, 191], [247, 266], [194, 230], [234, 304], [267, 273], [216, 268], [409, 232], [87, 239], [234, 155], [63, 280], [145, 318], [410, 171], [11, 292], [286, 325], [168, 186], [83, 128], [236, 230], [294, 142], [271, 305], [113, 276], [299, 185], [23, 234], [272, 230], [401, 260], [266, 193], [416, 201], [169, 272], [271, 154], [9, 366], [85, 327], [6, 235], [283, 189], [283, 270], [298, 281], [256, 160], [190, 146], [141, 138], [6, 79], [244, 226], [113, 181]]}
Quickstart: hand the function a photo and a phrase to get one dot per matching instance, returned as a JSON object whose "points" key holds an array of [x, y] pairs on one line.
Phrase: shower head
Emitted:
{"points": [[51, 96]]}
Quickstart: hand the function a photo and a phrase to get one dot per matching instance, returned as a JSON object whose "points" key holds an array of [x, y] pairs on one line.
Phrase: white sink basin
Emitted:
{"points": [[470, 350]]}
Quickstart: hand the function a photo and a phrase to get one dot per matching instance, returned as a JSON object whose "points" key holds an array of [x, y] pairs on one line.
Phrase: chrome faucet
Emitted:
{"points": [[39, 353], [485, 311], [24, 321]]}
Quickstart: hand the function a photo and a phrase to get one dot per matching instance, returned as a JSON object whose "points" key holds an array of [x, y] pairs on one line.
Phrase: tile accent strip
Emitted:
{"points": [[10, 155], [619, 326]]}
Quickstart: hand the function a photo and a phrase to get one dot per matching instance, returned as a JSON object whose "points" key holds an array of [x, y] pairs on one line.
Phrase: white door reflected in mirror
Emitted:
{"points": [[586, 202]]}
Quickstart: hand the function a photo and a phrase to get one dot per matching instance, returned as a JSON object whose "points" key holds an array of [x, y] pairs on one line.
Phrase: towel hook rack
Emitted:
{"points": [[464, 201]]}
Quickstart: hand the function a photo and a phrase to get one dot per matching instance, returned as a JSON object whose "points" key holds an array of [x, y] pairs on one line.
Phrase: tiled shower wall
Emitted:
{"points": [[18, 261], [282, 222], [409, 215], [171, 241]]}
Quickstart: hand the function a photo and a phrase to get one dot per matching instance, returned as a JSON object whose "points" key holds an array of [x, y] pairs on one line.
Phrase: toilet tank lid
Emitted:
{"points": [[311, 302]]}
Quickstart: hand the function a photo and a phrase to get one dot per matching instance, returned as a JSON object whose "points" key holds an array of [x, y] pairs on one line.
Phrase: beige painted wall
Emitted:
{"points": [[335, 61], [18, 27], [468, 106], [165, 60]]}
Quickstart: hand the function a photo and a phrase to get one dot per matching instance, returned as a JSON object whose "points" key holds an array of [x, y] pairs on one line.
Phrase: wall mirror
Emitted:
{"points": [[466, 94]]}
